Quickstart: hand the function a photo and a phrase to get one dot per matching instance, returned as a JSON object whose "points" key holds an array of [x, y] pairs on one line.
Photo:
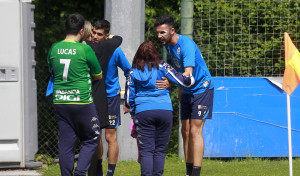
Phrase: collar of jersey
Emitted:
{"points": [[70, 40]]}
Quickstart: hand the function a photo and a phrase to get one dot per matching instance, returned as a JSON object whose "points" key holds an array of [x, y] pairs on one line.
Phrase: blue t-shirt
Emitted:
{"points": [[185, 53], [118, 59]]}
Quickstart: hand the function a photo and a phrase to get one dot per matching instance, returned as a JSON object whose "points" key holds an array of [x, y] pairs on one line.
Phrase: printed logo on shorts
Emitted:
{"points": [[112, 117], [95, 126], [94, 119], [112, 122], [202, 110]]}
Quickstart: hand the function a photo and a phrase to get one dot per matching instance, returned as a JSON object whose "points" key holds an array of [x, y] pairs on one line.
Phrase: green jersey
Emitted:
{"points": [[73, 63]]}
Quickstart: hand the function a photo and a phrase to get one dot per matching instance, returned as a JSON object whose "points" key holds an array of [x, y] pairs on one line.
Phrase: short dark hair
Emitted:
{"points": [[146, 54], [102, 24], [165, 19], [74, 23]]}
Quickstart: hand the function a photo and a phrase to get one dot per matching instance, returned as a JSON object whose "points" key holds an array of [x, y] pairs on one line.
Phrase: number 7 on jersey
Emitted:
{"points": [[66, 68]]}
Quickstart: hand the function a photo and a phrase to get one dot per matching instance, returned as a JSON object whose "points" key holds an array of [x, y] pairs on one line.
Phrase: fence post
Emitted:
{"points": [[187, 10]]}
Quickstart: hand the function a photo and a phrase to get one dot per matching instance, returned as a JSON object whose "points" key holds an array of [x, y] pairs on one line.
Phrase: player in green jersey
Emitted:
{"points": [[74, 66]]}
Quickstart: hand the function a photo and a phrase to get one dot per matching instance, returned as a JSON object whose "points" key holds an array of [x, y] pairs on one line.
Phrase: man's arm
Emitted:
{"points": [[94, 78], [105, 49], [113, 42], [188, 71], [185, 79], [123, 62], [129, 95], [92, 61], [180, 79]]}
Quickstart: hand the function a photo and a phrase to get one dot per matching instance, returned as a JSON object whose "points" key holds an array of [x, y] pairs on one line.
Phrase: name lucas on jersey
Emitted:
{"points": [[66, 51]]}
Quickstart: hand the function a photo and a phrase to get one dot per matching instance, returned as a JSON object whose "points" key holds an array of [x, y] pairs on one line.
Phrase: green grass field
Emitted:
{"points": [[211, 167]]}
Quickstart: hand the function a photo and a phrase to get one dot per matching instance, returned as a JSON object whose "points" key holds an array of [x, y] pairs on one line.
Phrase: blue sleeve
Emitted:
{"points": [[188, 52], [129, 95], [123, 62], [176, 77]]}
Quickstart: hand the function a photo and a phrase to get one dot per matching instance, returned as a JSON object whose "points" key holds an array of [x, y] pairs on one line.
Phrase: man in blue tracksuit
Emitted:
{"points": [[151, 107], [100, 32], [196, 101]]}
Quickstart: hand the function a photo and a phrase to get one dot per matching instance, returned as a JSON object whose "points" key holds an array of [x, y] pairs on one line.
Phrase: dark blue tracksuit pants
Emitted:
{"points": [[153, 130], [76, 121]]}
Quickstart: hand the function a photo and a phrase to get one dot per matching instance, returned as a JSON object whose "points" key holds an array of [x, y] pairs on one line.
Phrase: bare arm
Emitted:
{"points": [[94, 78]]}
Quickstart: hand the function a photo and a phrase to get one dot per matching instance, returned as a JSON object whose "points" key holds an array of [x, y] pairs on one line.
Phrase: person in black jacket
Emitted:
{"points": [[103, 50]]}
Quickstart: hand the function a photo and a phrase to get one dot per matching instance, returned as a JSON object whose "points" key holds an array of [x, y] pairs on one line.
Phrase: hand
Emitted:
{"points": [[110, 36], [188, 71], [125, 109], [162, 84]]}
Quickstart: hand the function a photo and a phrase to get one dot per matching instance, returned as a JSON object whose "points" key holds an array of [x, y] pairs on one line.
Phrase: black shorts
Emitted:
{"points": [[114, 119], [197, 106]]}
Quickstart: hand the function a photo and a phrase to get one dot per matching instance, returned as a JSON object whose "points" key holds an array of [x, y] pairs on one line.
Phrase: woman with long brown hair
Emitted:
{"points": [[150, 107]]}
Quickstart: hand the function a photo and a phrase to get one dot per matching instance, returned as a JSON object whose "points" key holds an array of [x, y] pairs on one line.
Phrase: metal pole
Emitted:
{"points": [[288, 101], [187, 27], [187, 11]]}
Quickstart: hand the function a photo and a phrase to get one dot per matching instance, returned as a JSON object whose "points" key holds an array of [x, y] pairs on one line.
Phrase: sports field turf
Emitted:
{"points": [[211, 167]]}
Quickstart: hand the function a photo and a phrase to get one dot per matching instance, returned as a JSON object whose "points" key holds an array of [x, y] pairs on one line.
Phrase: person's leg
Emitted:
{"points": [[197, 145], [88, 130], [145, 130], [113, 149], [111, 132], [186, 109], [197, 141], [201, 110], [185, 132], [66, 140], [164, 121], [95, 168], [187, 145], [99, 169]]}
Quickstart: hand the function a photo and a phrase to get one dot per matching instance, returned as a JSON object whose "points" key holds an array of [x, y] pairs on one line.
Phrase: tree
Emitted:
{"points": [[49, 17]]}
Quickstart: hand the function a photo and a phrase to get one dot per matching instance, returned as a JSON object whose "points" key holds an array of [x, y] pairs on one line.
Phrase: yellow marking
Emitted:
{"points": [[295, 62], [69, 40], [74, 103]]}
